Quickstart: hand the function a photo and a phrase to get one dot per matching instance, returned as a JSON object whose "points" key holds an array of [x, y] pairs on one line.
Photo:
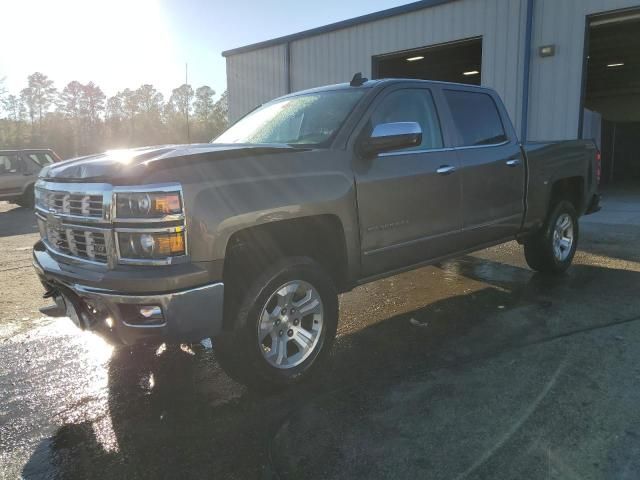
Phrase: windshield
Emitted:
{"points": [[309, 120]]}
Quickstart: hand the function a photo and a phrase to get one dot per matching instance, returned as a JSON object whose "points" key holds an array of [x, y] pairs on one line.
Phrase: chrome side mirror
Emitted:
{"points": [[393, 136]]}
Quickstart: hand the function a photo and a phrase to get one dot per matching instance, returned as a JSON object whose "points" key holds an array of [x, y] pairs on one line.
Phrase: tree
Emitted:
{"points": [[16, 114], [181, 98], [70, 105], [38, 96], [130, 107], [220, 115], [150, 101], [85, 121], [204, 104], [92, 102]]}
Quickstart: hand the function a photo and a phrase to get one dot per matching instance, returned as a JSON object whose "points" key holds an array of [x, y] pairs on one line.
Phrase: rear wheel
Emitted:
{"points": [[285, 321], [552, 249]]}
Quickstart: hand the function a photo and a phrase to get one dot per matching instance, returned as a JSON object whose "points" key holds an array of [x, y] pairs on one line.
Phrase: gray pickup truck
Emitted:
{"points": [[250, 239]]}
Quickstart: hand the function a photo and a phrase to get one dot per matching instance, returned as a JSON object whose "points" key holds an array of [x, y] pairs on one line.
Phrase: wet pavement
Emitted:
{"points": [[475, 368]]}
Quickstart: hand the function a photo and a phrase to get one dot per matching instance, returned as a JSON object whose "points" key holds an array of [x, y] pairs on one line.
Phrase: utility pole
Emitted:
{"points": [[186, 82]]}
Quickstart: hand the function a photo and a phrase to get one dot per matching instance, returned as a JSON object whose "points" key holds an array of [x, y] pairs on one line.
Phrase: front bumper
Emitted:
{"points": [[188, 315]]}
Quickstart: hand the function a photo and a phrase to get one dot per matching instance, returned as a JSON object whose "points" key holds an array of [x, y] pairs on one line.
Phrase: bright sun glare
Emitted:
{"points": [[115, 43]]}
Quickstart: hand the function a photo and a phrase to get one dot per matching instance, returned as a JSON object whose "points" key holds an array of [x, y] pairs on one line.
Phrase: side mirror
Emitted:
{"points": [[392, 136]]}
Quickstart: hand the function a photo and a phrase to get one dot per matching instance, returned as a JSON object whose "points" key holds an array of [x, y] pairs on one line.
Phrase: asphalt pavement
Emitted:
{"points": [[476, 368]]}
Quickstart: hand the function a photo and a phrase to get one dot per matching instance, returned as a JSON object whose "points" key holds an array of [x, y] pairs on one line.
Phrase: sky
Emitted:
{"points": [[126, 43]]}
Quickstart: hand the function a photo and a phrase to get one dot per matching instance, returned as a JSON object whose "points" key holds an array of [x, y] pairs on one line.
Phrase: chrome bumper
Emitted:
{"points": [[188, 315]]}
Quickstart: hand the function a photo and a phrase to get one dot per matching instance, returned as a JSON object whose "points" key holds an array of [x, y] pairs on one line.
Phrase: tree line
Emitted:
{"points": [[80, 119]]}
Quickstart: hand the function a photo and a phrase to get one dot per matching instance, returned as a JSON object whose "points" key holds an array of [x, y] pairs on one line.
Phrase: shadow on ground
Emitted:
{"points": [[16, 220], [432, 391]]}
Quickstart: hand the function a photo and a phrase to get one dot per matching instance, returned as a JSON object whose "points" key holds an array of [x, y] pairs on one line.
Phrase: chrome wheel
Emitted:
{"points": [[290, 325], [563, 237]]}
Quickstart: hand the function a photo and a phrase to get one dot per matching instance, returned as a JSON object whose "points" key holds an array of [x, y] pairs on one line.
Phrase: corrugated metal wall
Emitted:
{"points": [[554, 102], [556, 82], [255, 77], [335, 56]]}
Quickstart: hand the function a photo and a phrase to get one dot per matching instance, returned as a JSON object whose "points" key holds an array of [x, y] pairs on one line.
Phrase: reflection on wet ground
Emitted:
{"points": [[475, 368]]}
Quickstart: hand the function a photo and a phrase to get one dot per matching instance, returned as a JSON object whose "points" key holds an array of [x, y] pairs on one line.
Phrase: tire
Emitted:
{"points": [[271, 348], [28, 198], [546, 251]]}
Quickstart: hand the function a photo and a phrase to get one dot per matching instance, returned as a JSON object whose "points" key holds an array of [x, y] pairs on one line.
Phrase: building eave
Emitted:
{"points": [[371, 17]]}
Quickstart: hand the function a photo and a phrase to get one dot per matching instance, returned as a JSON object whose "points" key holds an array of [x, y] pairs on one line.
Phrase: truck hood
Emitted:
{"points": [[131, 163]]}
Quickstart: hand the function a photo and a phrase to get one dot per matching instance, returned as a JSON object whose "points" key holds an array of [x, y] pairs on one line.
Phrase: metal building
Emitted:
{"points": [[564, 68]]}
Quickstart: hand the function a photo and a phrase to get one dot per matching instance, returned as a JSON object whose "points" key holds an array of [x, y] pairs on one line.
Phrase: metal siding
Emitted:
{"points": [[334, 57], [254, 78], [554, 102]]}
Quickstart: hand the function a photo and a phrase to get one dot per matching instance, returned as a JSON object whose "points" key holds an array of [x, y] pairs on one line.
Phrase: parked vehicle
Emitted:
{"points": [[19, 171], [250, 239]]}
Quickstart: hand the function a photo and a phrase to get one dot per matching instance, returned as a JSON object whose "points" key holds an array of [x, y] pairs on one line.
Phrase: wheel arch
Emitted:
{"points": [[252, 249]]}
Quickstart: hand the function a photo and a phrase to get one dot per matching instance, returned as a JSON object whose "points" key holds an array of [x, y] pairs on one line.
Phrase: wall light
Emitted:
{"points": [[614, 65], [414, 59], [471, 72], [547, 50]]}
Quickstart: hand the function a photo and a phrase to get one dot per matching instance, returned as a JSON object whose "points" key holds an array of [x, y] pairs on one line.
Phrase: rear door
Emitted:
{"points": [[407, 209], [12, 178], [491, 166]]}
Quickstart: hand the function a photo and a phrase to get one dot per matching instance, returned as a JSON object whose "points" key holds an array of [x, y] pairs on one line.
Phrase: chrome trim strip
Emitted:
{"points": [[71, 258], [445, 149], [506, 142], [167, 218], [177, 229]]}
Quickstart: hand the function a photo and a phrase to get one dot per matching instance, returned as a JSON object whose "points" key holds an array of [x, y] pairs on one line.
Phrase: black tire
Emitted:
{"points": [[239, 352], [28, 198], [539, 249]]}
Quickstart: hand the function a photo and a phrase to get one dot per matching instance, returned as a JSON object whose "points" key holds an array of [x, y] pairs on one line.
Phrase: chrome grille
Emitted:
{"points": [[78, 242], [77, 204]]}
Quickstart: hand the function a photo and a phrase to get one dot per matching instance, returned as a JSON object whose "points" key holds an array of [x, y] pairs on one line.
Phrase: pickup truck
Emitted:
{"points": [[249, 240]]}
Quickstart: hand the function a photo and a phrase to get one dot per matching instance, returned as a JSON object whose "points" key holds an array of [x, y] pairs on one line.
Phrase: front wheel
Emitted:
{"points": [[552, 249], [285, 322]]}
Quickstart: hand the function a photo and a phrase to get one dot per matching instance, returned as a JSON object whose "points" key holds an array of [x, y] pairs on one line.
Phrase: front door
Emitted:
{"points": [[408, 200]]}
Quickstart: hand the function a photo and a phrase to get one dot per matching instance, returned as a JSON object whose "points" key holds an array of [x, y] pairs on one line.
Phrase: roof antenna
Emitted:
{"points": [[358, 80]]}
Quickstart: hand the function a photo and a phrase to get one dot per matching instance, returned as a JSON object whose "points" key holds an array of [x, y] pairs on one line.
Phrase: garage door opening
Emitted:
{"points": [[613, 93], [459, 62]]}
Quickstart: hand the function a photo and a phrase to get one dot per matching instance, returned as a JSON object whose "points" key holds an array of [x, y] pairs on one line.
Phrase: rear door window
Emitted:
{"points": [[9, 164], [411, 105], [41, 159], [476, 118]]}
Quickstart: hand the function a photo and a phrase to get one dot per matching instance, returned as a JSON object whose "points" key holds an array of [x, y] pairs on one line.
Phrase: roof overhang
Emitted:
{"points": [[371, 17]]}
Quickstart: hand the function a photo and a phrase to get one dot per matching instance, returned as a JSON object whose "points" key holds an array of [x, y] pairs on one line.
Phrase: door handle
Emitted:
{"points": [[514, 162], [446, 170]]}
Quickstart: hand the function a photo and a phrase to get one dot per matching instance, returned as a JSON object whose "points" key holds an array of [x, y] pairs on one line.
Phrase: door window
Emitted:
{"points": [[411, 105], [41, 159], [476, 118], [9, 164]]}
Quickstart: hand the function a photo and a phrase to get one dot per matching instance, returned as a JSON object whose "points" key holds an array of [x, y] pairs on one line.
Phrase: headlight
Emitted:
{"points": [[147, 205], [151, 245]]}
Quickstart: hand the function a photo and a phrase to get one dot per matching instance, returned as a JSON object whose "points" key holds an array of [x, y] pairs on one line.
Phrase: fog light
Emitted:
{"points": [[109, 322], [151, 311]]}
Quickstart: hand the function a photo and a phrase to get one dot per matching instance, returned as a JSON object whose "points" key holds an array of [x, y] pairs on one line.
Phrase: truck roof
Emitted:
{"points": [[377, 83]]}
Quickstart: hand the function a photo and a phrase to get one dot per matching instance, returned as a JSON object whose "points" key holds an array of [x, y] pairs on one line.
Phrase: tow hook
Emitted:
{"points": [[58, 309]]}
